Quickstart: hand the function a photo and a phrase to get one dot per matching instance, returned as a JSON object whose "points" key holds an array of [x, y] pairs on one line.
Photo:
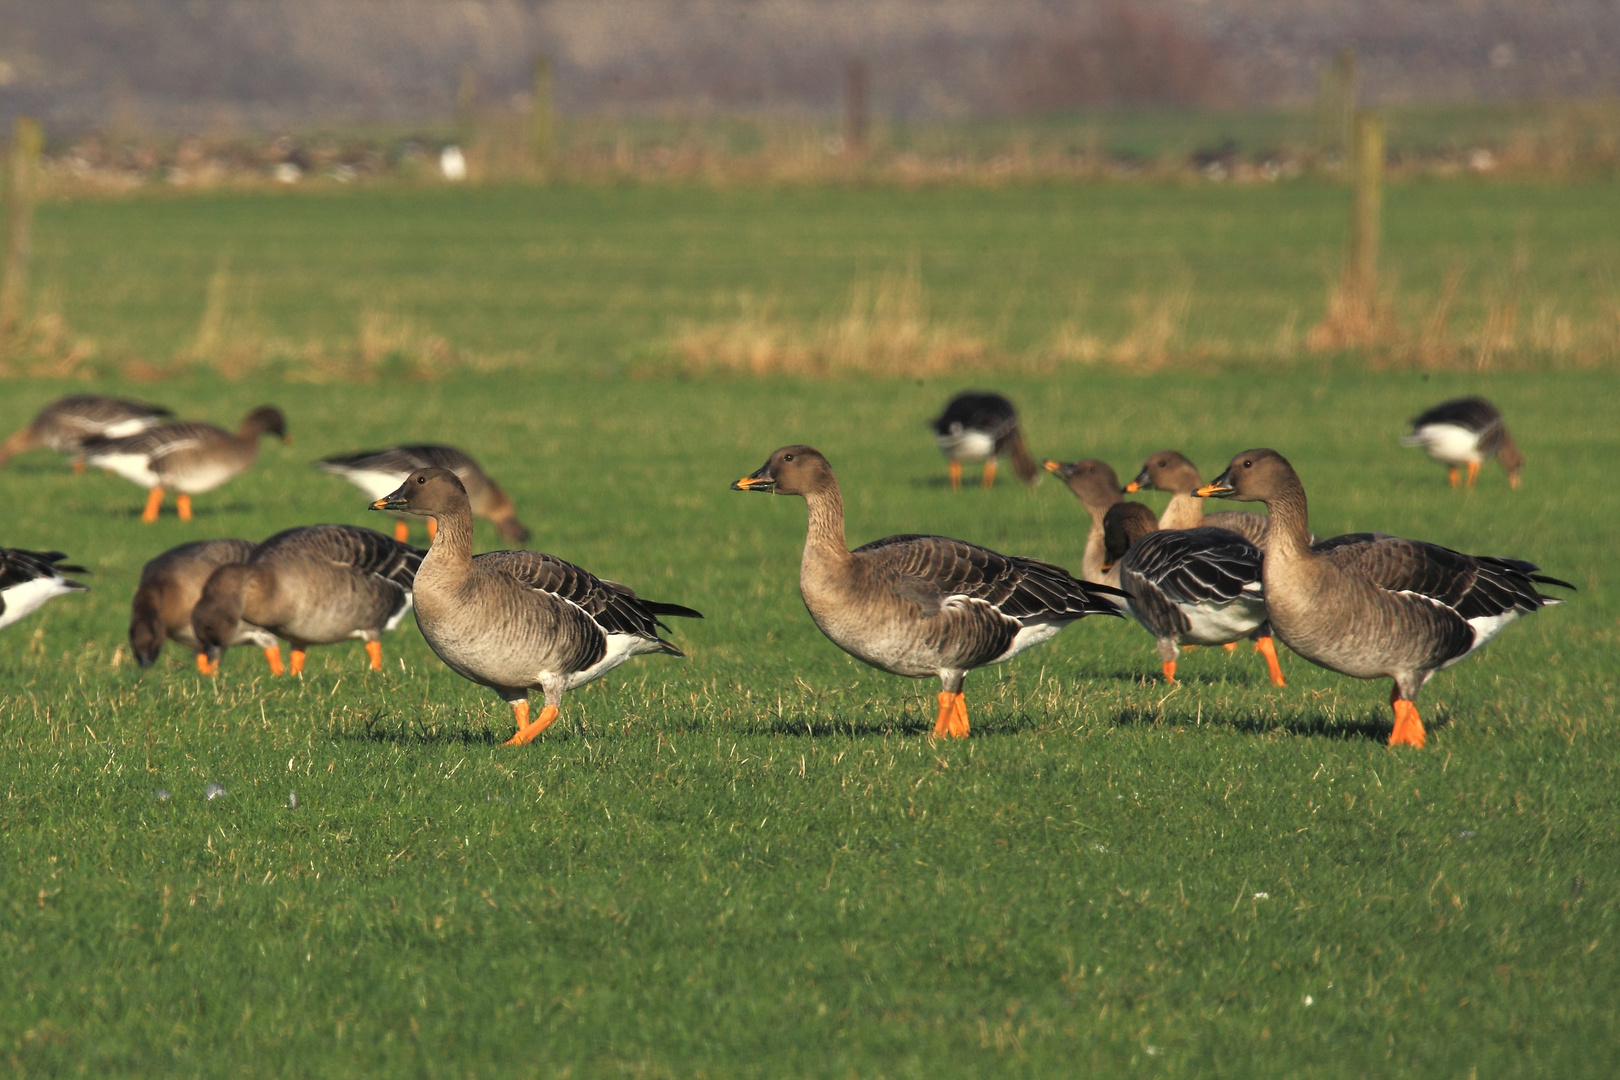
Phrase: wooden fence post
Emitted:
{"points": [[1366, 205], [27, 140]]}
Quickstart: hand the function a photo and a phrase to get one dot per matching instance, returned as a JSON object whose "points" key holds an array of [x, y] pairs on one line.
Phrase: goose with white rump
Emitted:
{"points": [[29, 579], [66, 423], [921, 606], [1464, 432], [516, 621], [1372, 606], [1189, 586], [314, 585], [170, 586], [188, 456]]}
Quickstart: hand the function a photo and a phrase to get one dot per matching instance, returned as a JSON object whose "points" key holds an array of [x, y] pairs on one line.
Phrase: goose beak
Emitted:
{"points": [[1139, 484], [1107, 566], [758, 480], [1053, 466], [1219, 488], [394, 500]]}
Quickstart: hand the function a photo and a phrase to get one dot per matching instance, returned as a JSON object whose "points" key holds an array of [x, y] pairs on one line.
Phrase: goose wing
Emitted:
{"points": [[365, 551], [612, 606], [1472, 413], [1193, 566], [983, 411], [929, 570], [155, 442], [402, 460], [19, 567]]}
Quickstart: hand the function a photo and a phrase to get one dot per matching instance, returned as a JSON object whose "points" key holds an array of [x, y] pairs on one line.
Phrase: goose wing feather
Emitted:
{"points": [[18, 567], [155, 442], [612, 606], [931, 569], [1473, 586], [365, 550], [401, 459], [1472, 413], [1193, 566]]}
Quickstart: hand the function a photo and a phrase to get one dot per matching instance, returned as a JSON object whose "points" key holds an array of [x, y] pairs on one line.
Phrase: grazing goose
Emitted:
{"points": [[379, 472], [1465, 431], [516, 621], [921, 606], [170, 587], [1189, 586], [1373, 606], [978, 425], [29, 578], [65, 424], [314, 585], [1095, 484], [189, 456], [1169, 470]]}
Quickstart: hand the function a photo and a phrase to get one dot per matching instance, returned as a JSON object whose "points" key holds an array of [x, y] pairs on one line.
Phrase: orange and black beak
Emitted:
{"points": [[1141, 483], [394, 500], [758, 480], [1219, 488]]}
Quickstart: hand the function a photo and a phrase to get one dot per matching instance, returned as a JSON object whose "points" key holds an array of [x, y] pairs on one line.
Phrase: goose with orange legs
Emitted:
{"points": [[188, 456], [1372, 606], [981, 425], [1463, 432], [921, 606], [517, 621], [170, 586], [315, 585]]}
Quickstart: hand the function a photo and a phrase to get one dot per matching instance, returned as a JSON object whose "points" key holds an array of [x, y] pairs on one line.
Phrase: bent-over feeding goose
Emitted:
{"points": [[516, 621], [978, 425], [66, 423], [921, 606], [29, 578], [1189, 586], [379, 472], [314, 585], [1171, 471], [189, 456], [1372, 606], [1466, 431], [170, 587]]}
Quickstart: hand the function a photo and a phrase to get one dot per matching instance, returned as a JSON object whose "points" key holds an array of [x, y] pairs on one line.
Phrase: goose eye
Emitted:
{"points": [[787, 457], [421, 479], [1246, 464]]}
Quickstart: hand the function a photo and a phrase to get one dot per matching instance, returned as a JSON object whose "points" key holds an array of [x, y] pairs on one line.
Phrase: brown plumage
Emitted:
{"points": [[189, 456], [516, 621], [170, 587], [1171, 471], [314, 585], [1094, 483], [66, 423], [1373, 606], [379, 472], [921, 606]]}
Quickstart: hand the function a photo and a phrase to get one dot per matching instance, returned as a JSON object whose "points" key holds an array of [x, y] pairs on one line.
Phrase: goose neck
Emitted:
{"points": [[825, 536], [1184, 511], [451, 551], [1289, 534]]}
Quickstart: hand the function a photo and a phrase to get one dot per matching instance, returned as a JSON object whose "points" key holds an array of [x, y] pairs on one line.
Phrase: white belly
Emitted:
{"points": [[25, 599], [967, 446], [136, 468], [1028, 637], [1448, 443], [1217, 624]]}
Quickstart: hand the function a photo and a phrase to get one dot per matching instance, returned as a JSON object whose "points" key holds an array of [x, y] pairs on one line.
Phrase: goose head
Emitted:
{"points": [[792, 470], [1254, 476], [431, 492], [215, 617], [1168, 470], [265, 420], [1508, 454], [1123, 525], [1093, 482]]}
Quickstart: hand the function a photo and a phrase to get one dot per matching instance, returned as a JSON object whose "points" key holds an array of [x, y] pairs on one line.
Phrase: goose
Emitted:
{"points": [[1189, 586], [66, 423], [30, 578], [1465, 431], [379, 472], [516, 621], [313, 585], [979, 425], [189, 456], [921, 606], [170, 587], [1096, 485], [1373, 606], [1171, 471]]}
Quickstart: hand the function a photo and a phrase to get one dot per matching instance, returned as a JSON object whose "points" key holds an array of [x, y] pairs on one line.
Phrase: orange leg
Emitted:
{"points": [[433, 528], [956, 475], [1473, 472], [1268, 648], [959, 718], [297, 658], [272, 656], [1408, 730], [154, 500], [1170, 670], [203, 666], [947, 705], [525, 730], [182, 503], [1454, 476], [1230, 646], [374, 650], [989, 473], [402, 531]]}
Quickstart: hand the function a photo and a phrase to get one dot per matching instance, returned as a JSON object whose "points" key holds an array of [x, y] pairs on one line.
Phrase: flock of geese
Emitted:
{"points": [[1365, 605]]}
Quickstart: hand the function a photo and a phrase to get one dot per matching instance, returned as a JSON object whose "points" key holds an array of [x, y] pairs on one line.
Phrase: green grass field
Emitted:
{"points": [[753, 862]]}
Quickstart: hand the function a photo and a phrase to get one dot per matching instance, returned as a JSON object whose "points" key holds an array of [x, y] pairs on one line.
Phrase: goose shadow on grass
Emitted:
{"points": [[405, 732], [1321, 725], [199, 512], [992, 723], [1231, 680]]}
